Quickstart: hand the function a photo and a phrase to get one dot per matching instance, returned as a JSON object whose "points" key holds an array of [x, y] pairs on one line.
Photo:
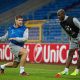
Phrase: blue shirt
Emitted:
{"points": [[14, 32]]}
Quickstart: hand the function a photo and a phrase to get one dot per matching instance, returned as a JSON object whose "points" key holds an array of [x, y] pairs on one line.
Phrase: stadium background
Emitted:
{"points": [[39, 10], [44, 30]]}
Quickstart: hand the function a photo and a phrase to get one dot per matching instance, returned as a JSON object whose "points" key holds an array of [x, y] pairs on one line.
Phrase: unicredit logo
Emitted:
{"points": [[38, 53]]}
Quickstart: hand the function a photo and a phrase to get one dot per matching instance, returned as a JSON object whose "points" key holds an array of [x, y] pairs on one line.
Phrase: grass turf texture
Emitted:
{"points": [[38, 72]]}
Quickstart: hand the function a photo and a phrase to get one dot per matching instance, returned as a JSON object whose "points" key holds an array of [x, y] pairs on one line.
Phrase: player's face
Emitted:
{"points": [[19, 22], [61, 16]]}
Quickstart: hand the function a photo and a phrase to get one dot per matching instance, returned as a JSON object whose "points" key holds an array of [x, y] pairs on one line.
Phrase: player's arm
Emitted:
{"points": [[76, 22], [24, 38], [4, 38]]}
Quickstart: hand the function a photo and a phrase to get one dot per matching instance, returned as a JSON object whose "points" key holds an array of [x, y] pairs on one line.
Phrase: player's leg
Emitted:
{"points": [[23, 54], [10, 64], [72, 49], [13, 64], [78, 62], [20, 53], [68, 62], [76, 71], [70, 56]]}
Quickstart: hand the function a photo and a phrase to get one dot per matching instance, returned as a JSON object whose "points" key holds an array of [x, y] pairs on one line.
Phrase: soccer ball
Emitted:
{"points": [[58, 75]]}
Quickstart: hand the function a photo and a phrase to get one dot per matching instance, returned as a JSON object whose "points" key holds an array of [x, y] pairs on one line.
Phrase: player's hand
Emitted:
{"points": [[12, 38]]}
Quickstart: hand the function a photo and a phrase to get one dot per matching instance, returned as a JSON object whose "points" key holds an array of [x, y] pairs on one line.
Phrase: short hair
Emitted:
{"points": [[61, 10], [18, 16]]}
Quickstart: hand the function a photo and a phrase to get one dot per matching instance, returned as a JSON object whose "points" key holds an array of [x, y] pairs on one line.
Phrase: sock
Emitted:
{"points": [[21, 69], [66, 69], [2, 66], [77, 71]]}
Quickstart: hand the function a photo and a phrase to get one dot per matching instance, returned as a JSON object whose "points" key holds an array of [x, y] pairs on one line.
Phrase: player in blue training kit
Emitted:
{"points": [[17, 34]]}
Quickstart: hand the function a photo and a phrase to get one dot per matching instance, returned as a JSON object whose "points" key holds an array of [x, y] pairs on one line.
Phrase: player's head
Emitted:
{"points": [[61, 14], [19, 20]]}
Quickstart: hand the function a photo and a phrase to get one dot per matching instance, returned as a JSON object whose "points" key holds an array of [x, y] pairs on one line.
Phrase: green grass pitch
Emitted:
{"points": [[38, 72]]}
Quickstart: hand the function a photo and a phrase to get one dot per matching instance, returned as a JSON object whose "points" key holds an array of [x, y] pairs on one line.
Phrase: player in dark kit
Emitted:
{"points": [[71, 26]]}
